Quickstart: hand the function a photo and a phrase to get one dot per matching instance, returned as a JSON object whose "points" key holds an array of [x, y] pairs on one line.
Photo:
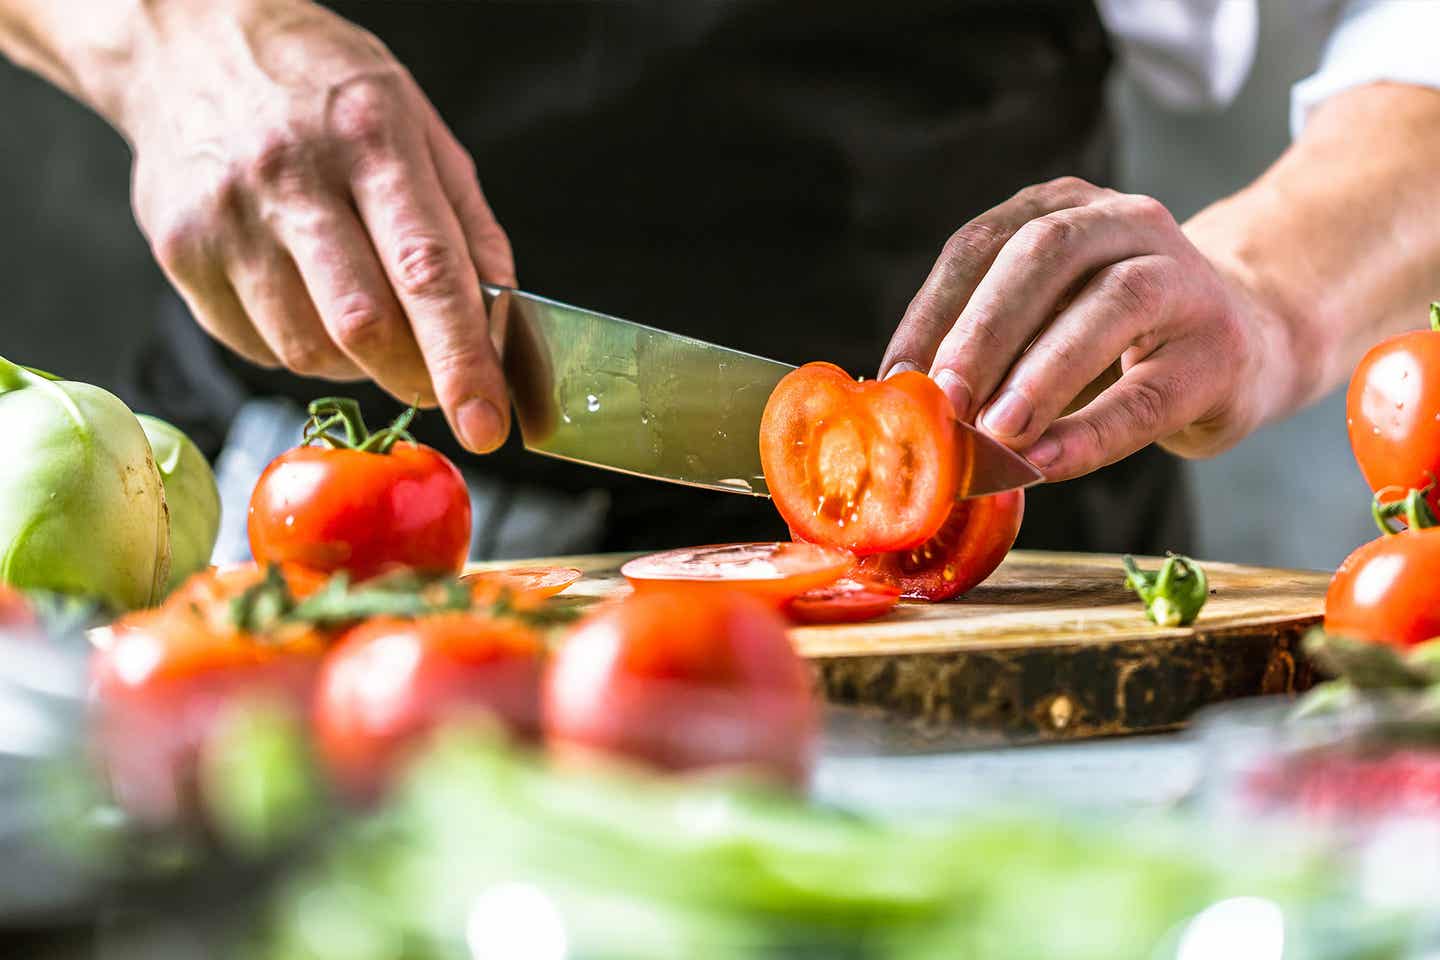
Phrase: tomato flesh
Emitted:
{"points": [[1384, 592], [868, 466], [1393, 412], [684, 679], [967, 548], [844, 601], [360, 512], [524, 585], [774, 571], [390, 682]]}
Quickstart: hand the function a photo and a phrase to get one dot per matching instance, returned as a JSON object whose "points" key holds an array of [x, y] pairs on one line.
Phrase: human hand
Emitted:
{"points": [[313, 209], [1035, 300]]}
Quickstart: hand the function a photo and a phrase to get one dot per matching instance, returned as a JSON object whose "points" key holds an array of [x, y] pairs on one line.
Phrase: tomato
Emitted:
{"points": [[214, 586], [773, 571], [967, 549], [15, 610], [389, 682], [364, 507], [868, 466], [844, 601], [684, 679], [1384, 592], [165, 679], [1393, 411], [524, 585]]}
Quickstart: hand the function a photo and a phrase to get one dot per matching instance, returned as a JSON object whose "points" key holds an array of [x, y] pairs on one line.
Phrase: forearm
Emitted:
{"points": [[1338, 244]]}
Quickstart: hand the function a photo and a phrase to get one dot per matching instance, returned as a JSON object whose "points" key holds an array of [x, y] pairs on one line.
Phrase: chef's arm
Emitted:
{"points": [[1078, 324], [1339, 241], [296, 186]]}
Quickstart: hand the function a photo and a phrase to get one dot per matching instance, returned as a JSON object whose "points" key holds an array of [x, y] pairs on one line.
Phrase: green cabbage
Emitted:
{"points": [[82, 506], [191, 493]]}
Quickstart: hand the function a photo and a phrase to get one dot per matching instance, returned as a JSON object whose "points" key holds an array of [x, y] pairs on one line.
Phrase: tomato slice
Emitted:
{"points": [[967, 549], [868, 466], [777, 571], [524, 584], [844, 601]]}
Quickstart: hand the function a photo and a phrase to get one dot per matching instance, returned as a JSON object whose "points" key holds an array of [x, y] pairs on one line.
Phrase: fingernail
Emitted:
{"points": [[1008, 416], [902, 366], [1045, 452], [480, 425], [950, 383]]}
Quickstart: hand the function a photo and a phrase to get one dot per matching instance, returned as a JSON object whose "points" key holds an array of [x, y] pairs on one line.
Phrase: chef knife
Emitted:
{"points": [[610, 393]]}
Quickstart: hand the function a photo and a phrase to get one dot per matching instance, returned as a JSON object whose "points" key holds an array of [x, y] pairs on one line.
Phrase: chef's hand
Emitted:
{"points": [[1034, 300], [311, 206]]}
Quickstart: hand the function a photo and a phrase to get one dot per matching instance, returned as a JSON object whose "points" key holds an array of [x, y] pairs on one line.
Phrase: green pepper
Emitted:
{"points": [[1173, 596], [82, 506]]}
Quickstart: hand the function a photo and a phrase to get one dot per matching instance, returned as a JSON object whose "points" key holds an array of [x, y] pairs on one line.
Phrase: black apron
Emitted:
{"points": [[773, 176]]}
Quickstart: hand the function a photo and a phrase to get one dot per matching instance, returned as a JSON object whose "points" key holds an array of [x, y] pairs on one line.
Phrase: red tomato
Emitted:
{"points": [[967, 549], [844, 601], [361, 512], [15, 610], [163, 682], [524, 585], [773, 571], [684, 679], [1393, 412], [867, 466], [1384, 592], [390, 682]]}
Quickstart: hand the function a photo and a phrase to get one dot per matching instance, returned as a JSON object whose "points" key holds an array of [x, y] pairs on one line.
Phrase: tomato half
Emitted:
{"points": [[684, 679], [1393, 412], [844, 601], [967, 549], [868, 466], [524, 585], [774, 571], [361, 512], [1384, 592], [390, 682]]}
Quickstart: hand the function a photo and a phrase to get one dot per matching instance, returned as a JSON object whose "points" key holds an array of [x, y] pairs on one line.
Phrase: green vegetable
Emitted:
{"points": [[82, 506], [192, 495], [1173, 596]]}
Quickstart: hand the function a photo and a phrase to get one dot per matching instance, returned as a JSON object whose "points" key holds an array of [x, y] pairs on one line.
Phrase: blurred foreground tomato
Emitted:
{"points": [[684, 678]]}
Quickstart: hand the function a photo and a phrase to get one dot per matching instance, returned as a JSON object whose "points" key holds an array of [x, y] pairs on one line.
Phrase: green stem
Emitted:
{"points": [[1173, 596], [1414, 507], [12, 376], [1435, 315], [328, 413]]}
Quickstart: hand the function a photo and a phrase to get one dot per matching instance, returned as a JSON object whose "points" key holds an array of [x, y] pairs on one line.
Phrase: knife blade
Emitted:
{"points": [[606, 392]]}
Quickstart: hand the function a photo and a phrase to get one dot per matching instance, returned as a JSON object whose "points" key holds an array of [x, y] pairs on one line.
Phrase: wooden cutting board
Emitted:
{"points": [[1052, 647]]}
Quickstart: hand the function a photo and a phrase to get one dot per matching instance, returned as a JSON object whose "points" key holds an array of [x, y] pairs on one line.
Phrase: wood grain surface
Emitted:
{"points": [[1052, 647]]}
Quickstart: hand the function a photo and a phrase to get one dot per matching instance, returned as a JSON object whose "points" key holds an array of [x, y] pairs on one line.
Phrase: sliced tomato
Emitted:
{"points": [[844, 601], [868, 466], [774, 571], [967, 549], [525, 585]]}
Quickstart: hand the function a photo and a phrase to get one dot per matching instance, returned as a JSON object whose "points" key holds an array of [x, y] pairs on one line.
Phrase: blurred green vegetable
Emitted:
{"points": [[486, 848], [82, 506], [191, 494]]}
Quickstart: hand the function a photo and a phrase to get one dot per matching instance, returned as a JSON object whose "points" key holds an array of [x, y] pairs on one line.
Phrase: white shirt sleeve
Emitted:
{"points": [[1187, 54], [1374, 40]]}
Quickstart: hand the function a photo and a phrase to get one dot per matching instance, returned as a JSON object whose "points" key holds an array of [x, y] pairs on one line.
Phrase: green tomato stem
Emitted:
{"points": [[328, 413], [1413, 507], [1172, 596], [1435, 315]]}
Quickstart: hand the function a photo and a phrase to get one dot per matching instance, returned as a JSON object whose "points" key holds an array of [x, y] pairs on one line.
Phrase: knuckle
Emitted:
{"points": [[972, 243], [1148, 209], [1066, 190], [280, 160], [425, 268], [1146, 405], [361, 112], [1050, 237], [1138, 287], [359, 323]]}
